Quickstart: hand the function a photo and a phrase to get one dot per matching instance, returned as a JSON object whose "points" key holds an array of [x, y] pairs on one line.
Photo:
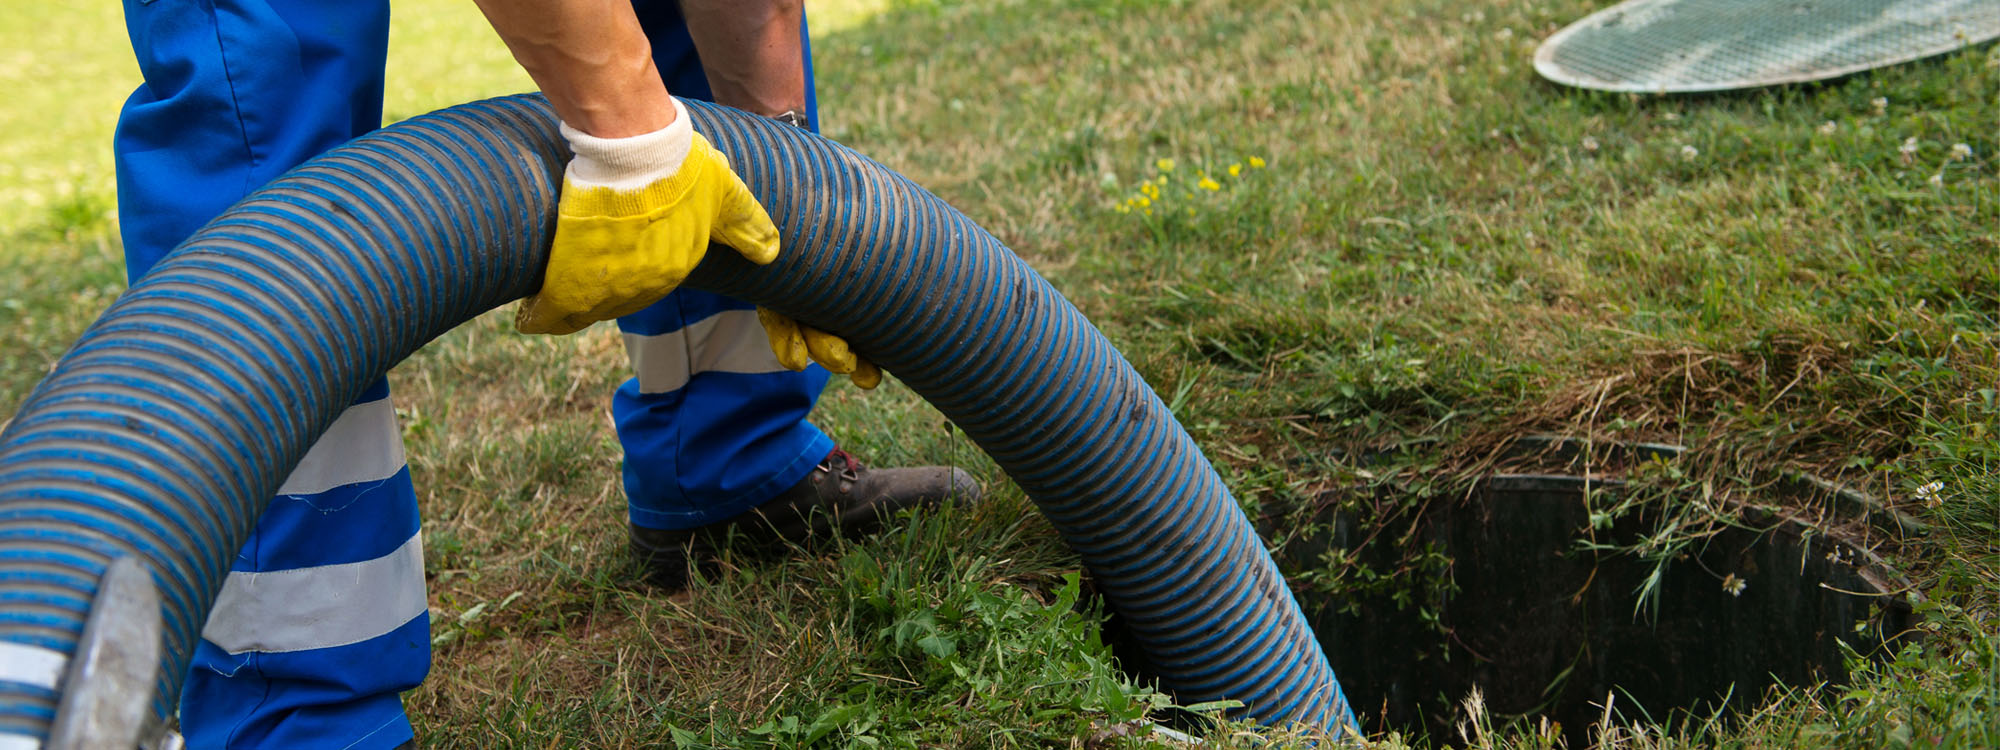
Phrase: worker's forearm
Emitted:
{"points": [[590, 58], [751, 51]]}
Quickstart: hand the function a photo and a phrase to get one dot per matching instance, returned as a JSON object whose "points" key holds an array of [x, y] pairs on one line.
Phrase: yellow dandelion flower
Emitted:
{"points": [[1149, 212], [1210, 185], [1123, 209], [1165, 165], [1151, 190], [1256, 162], [1235, 169], [1144, 202]]}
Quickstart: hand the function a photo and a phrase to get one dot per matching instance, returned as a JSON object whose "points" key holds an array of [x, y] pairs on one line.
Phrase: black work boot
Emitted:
{"points": [[840, 496]]}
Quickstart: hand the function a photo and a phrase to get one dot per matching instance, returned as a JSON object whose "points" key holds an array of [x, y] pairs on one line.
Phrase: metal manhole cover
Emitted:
{"points": [[1684, 46]]}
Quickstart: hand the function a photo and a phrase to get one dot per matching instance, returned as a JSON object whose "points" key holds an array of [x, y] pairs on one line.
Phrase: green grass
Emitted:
{"points": [[1441, 252]]}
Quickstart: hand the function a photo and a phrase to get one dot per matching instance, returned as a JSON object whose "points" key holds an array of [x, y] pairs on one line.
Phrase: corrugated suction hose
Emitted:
{"points": [[165, 431]]}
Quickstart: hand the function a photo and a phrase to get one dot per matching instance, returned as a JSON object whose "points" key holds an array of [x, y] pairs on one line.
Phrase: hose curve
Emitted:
{"points": [[165, 430]]}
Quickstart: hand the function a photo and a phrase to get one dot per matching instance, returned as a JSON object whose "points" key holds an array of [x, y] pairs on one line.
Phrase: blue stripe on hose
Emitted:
{"points": [[71, 624], [76, 604], [299, 359], [121, 533], [389, 230], [1088, 468], [45, 578], [1068, 398], [338, 318], [199, 337], [976, 276], [1150, 512], [35, 690], [1067, 391], [237, 328], [117, 388], [86, 487], [1002, 408]]}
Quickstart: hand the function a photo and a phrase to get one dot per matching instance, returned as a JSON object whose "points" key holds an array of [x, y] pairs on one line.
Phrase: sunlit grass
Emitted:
{"points": [[1438, 250], [66, 69]]}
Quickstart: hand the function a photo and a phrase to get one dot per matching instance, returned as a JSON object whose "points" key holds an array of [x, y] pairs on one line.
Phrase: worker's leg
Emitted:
{"points": [[322, 620], [712, 425], [714, 428]]}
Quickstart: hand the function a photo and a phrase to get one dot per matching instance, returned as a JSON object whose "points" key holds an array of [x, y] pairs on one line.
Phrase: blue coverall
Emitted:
{"points": [[323, 619]]}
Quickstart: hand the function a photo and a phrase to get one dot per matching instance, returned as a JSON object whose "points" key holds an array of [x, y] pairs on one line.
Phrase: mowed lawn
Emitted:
{"points": [[1321, 229]]}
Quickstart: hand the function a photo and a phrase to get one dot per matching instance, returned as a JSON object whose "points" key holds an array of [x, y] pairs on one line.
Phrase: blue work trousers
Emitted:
{"points": [[323, 619]]}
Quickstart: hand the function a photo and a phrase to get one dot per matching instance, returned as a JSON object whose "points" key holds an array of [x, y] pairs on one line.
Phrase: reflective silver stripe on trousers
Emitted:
{"points": [[31, 665], [10, 741], [363, 445], [729, 341], [322, 607]]}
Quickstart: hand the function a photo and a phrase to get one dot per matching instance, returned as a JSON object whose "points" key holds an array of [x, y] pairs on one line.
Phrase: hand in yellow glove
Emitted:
{"points": [[635, 217], [795, 344]]}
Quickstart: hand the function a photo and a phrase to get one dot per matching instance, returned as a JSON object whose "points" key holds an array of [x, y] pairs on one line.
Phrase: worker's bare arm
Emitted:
{"points": [[751, 51], [591, 60]]}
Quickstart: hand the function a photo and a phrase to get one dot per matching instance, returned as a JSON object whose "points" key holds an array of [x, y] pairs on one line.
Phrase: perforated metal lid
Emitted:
{"points": [[1679, 46]]}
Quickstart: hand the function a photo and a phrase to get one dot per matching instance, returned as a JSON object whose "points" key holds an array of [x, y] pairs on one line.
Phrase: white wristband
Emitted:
{"points": [[632, 162]]}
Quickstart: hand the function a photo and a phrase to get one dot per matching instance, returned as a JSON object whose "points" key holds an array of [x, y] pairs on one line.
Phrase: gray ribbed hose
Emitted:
{"points": [[164, 432]]}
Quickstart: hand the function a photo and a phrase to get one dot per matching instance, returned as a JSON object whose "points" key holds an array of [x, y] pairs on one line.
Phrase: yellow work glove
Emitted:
{"points": [[795, 344], [635, 216]]}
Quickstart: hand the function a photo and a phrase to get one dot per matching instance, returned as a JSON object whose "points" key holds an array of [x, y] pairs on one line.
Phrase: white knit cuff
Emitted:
{"points": [[632, 162]]}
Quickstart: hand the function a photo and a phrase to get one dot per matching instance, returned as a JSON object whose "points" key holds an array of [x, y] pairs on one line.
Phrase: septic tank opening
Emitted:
{"points": [[1510, 591]]}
